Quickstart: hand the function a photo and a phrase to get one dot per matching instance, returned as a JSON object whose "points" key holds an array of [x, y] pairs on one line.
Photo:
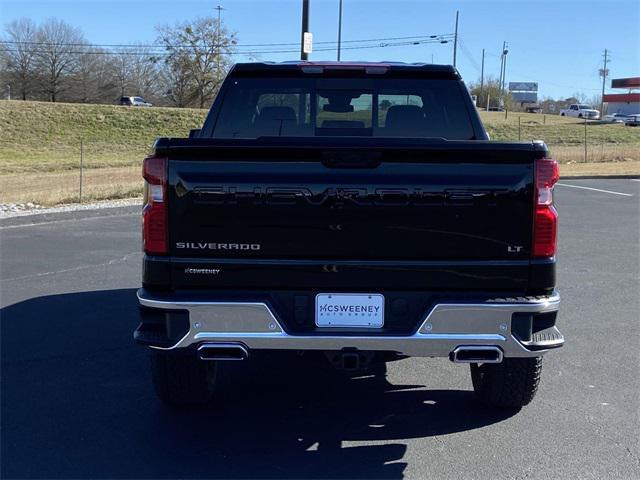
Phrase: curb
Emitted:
{"points": [[40, 217]]}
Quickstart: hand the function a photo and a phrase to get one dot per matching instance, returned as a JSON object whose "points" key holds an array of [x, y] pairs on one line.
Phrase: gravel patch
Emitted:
{"points": [[11, 210]]}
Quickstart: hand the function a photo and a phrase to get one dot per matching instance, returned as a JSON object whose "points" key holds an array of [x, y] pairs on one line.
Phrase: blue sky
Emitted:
{"points": [[559, 44]]}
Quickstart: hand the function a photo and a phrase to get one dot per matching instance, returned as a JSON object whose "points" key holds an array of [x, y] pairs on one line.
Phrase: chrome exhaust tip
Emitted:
{"points": [[222, 351], [476, 354]]}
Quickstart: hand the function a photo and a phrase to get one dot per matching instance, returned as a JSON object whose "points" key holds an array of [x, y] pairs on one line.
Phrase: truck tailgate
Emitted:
{"points": [[449, 204]]}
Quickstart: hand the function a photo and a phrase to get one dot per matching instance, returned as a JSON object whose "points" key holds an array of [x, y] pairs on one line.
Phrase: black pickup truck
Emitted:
{"points": [[356, 209]]}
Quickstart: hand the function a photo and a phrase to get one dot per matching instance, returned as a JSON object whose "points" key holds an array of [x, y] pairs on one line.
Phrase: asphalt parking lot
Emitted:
{"points": [[77, 401]]}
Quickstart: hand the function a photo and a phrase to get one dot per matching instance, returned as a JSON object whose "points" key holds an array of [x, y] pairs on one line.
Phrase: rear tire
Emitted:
{"points": [[182, 379], [510, 384]]}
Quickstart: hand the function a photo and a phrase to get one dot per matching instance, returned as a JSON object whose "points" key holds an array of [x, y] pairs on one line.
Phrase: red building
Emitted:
{"points": [[627, 103]]}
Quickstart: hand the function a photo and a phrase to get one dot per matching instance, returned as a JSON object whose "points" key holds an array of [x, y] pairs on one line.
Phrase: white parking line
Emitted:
{"points": [[596, 190], [635, 179], [62, 220]]}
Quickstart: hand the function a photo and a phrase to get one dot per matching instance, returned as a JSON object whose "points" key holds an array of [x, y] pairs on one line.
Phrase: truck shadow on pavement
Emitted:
{"points": [[77, 402]]}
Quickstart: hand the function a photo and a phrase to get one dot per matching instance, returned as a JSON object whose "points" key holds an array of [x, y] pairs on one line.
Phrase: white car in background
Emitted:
{"points": [[580, 111], [632, 120], [615, 117], [134, 102]]}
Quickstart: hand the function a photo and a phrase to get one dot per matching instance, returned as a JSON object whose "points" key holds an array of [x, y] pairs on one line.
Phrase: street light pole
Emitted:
{"points": [[218, 41], [9, 89], [455, 40], [482, 75], [305, 28], [503, 70], [504, 73], [604, 80], [339, 28]]}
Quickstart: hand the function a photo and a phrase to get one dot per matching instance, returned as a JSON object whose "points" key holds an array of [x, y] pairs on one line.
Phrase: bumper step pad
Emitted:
{"points": [[545, 339]]}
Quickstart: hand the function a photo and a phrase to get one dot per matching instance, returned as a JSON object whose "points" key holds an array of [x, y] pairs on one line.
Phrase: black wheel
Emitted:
{"points": [[562, 114], [512, 383], [182, 379], [579, 115]]}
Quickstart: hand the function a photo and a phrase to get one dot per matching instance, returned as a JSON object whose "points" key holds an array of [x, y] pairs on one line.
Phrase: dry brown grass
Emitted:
{"points": [[599, 168], [63, 187], [125, 182], [604, 153]]}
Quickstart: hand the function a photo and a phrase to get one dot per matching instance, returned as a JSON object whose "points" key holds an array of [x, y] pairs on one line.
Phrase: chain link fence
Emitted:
{"points": [[80, 173], [570, 141]]}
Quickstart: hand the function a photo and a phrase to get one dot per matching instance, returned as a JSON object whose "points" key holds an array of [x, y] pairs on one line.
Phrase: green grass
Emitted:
{"points": [[556, 130], [46, 137], [40, 146], [37, 137]]}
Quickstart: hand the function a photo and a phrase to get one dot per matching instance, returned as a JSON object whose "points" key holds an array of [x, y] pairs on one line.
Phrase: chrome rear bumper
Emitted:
{"points": [[446, 327]]}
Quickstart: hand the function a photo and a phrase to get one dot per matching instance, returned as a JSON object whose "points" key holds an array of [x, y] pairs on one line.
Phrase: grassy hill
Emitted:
{"points": [[566, 136], [40, 146], [45, 137]]}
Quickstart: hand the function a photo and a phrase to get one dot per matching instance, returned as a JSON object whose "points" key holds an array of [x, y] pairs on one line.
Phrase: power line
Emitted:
{"points": [[239, 52], [529, 78], [468, 55], [446, 36]]}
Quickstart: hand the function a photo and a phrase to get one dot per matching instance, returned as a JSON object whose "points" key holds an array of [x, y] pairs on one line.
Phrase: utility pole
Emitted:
{"points": [[503, 70], [504, 73], [501, 67], [482, 75], [455, 40], [604, 80], [218, 42], [339, 28], [9, 90], [123, 75], [305, 28]]}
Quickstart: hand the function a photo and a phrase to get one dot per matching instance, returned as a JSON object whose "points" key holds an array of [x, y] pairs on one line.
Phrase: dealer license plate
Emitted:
{"points": [[350, 310]]}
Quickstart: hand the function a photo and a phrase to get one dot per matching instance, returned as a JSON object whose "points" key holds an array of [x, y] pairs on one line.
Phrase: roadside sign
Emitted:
{"points": [[307, 42], [523, 86]]}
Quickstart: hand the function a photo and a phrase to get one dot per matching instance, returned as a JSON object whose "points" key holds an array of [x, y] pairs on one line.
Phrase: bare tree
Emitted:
{"points": [[595, 100], [581, 97], [202, 49], [59, 45], [92, 80], [177, 82], [491, 93], [122, 70], [19, 55], [54, 61], [143, 72]]}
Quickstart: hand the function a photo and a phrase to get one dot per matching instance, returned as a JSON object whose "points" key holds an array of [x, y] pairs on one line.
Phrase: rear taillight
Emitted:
{"points": [[154, 210], [545, 220]]}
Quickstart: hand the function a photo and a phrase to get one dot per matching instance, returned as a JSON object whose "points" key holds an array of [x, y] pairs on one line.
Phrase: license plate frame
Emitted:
{"points": [[349, 310]]}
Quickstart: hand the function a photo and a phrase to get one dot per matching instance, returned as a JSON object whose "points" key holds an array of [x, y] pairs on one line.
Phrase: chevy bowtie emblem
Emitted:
{"points": [[330, 268]]}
